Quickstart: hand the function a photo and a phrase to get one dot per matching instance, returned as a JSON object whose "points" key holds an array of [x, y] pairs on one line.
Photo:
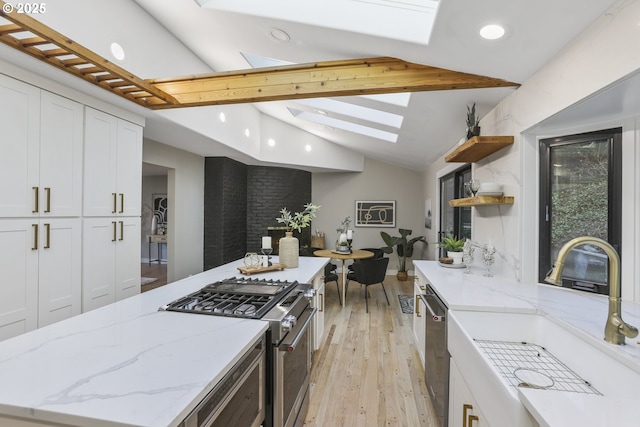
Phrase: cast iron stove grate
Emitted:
{"points": [[245, 298]]}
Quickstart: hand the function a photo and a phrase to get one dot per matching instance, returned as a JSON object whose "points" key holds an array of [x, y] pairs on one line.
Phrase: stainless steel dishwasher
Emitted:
{"points": [[436, 355]]}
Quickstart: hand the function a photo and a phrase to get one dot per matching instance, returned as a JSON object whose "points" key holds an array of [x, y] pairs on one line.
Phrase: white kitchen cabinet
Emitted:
{"points": [[111, 261], [419, 313], [40, 264], [61, 128], [463, 408], [41, 162], [318, 302], [112, 166], [59, 269]]}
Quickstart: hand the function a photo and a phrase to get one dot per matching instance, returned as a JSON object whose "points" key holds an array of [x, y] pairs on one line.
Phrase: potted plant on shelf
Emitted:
{"points": [[454, 247], [404, 249], [289, 245], [473, 128]]}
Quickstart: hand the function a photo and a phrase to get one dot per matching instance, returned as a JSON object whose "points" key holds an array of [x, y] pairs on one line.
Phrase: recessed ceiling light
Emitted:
{"points": [[117, 51], [322, 112], [247, 132], [271, 142], [223, 118], [492, 31], [280, 35], [307, 147]]}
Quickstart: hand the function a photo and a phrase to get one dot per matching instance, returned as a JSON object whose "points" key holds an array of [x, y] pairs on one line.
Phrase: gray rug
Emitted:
{"points": [[147, 280], [406, 303]]}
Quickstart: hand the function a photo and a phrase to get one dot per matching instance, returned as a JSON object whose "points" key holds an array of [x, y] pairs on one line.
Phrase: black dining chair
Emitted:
{"points": [[330, 275], [377, 253], [370, 271]]}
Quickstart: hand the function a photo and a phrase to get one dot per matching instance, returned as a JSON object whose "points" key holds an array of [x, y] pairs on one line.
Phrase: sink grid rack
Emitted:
{"points": [[509, 357]]}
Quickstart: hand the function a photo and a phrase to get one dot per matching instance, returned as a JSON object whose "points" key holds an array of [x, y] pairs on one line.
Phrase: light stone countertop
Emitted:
{"points": [[583, 312], [128, 364]]}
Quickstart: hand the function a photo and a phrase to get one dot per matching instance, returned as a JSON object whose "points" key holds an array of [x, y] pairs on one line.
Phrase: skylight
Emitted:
{"points": [[372, 17]]}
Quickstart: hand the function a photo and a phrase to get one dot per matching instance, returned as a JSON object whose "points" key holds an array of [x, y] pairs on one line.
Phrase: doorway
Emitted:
{"points": [[154, 252]]}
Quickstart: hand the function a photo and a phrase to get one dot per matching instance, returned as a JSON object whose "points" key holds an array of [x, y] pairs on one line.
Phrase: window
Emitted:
{"points": [[454, 221], [580, 195]]}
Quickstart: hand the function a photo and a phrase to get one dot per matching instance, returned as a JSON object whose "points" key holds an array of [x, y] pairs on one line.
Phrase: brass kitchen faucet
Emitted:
{"points": [[616, 329]]}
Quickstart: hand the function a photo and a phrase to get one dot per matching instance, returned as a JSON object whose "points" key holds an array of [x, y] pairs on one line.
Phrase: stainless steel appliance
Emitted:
{"points": [[286, 306], [238, 399], [436, 364]]}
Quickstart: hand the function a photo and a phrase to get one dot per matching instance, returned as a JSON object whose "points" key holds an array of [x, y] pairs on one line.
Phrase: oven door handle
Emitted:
{"points": [[434, 316], [291, 346]]}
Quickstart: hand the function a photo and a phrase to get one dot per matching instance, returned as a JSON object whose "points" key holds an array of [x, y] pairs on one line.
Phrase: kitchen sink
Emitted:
{"points": [[477, 339]]}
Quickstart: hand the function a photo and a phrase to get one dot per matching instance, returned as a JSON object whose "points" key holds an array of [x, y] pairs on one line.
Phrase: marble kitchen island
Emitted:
{"points": [[128, 364]]}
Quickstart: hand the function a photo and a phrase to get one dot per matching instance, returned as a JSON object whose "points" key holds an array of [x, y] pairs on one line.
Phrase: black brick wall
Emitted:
{"points": [[225, 211], [242, 201]]}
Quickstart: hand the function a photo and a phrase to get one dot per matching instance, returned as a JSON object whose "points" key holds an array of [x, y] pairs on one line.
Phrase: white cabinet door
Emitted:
{"points": [[318, 302], [100, 162], [128, 258], [19, 280], [112, 166], [19, 145], [99, 237], [61, 137], [419, 317], [129, 177], [463, 408], [59, 270]]}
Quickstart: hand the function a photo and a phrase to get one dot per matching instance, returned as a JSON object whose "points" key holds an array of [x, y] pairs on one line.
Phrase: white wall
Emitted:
{"points": [[185, 194], [604, 54], [337, 193]]}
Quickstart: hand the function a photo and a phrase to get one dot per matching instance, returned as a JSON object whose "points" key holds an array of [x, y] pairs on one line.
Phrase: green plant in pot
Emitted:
{"points": [[473, 128], [404, 248], [454, 247]]}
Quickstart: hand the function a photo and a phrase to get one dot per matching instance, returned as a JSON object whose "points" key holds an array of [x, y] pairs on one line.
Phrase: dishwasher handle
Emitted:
{"points": [[434, 316]]}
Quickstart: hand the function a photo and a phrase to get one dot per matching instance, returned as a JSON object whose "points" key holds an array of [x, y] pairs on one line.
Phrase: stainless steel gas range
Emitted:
{"points": [[278, 375]]}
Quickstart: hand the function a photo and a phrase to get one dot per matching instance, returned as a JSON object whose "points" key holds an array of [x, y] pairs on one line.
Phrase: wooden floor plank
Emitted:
{"points": [[367, 372]]}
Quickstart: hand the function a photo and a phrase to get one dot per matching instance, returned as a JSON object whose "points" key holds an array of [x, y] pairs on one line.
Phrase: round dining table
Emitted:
{"points": [[353, 255]]}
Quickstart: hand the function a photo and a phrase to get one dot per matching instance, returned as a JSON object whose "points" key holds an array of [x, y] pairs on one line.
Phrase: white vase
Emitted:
{"points": [[289, 250], [456, 256]]}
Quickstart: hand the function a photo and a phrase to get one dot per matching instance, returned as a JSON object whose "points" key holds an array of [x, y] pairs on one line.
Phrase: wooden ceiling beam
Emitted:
{"points": [[27, 23], [315, 80], [321, 79]]}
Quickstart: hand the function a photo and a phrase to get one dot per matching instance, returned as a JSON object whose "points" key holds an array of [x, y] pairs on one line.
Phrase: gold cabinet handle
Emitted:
{"points": [[36, 197], [417, 304], [35, 237], [321, 302], [423, 288], [114, 231], [473, 418], [466, 407], [121, 203], [115, 202], [48, 208], [47, 244], [121, 230]]}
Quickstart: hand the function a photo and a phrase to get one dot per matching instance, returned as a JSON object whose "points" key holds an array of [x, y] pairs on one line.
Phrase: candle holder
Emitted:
{"points": [[267, 252]]}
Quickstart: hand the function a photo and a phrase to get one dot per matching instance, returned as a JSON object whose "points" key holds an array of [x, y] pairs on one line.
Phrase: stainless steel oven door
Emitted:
{"points": [[291, 373], [238, 399]]}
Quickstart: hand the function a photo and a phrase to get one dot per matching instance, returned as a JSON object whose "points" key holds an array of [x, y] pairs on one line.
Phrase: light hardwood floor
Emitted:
{"points": [[156, 270], [368, 372]]}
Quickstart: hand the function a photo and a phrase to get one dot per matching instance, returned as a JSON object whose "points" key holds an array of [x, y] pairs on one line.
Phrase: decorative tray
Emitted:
{"points": [[255, 270], [451, 265]]}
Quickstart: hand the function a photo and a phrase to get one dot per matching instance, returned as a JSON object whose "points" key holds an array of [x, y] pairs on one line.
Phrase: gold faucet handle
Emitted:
{"points": [[628, 330]]}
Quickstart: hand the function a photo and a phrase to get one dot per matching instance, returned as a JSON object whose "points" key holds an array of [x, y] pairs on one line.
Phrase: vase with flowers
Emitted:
{"points": [[345, 236], [289, 245]]}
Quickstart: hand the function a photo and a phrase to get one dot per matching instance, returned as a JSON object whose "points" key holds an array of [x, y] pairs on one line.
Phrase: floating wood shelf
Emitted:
{"points": [[482, 201], [478, 148]]}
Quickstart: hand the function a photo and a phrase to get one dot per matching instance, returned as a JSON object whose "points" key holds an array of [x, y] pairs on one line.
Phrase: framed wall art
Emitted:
{"points": [[375, 213]]}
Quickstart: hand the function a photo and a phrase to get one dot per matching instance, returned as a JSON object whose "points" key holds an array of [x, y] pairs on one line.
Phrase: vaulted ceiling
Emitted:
{"points": [[411, 131]]}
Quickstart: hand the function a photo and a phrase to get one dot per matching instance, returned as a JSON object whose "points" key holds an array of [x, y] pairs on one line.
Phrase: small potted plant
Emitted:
{"points": [[404, 249], [454, 247], [473, 128]]}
